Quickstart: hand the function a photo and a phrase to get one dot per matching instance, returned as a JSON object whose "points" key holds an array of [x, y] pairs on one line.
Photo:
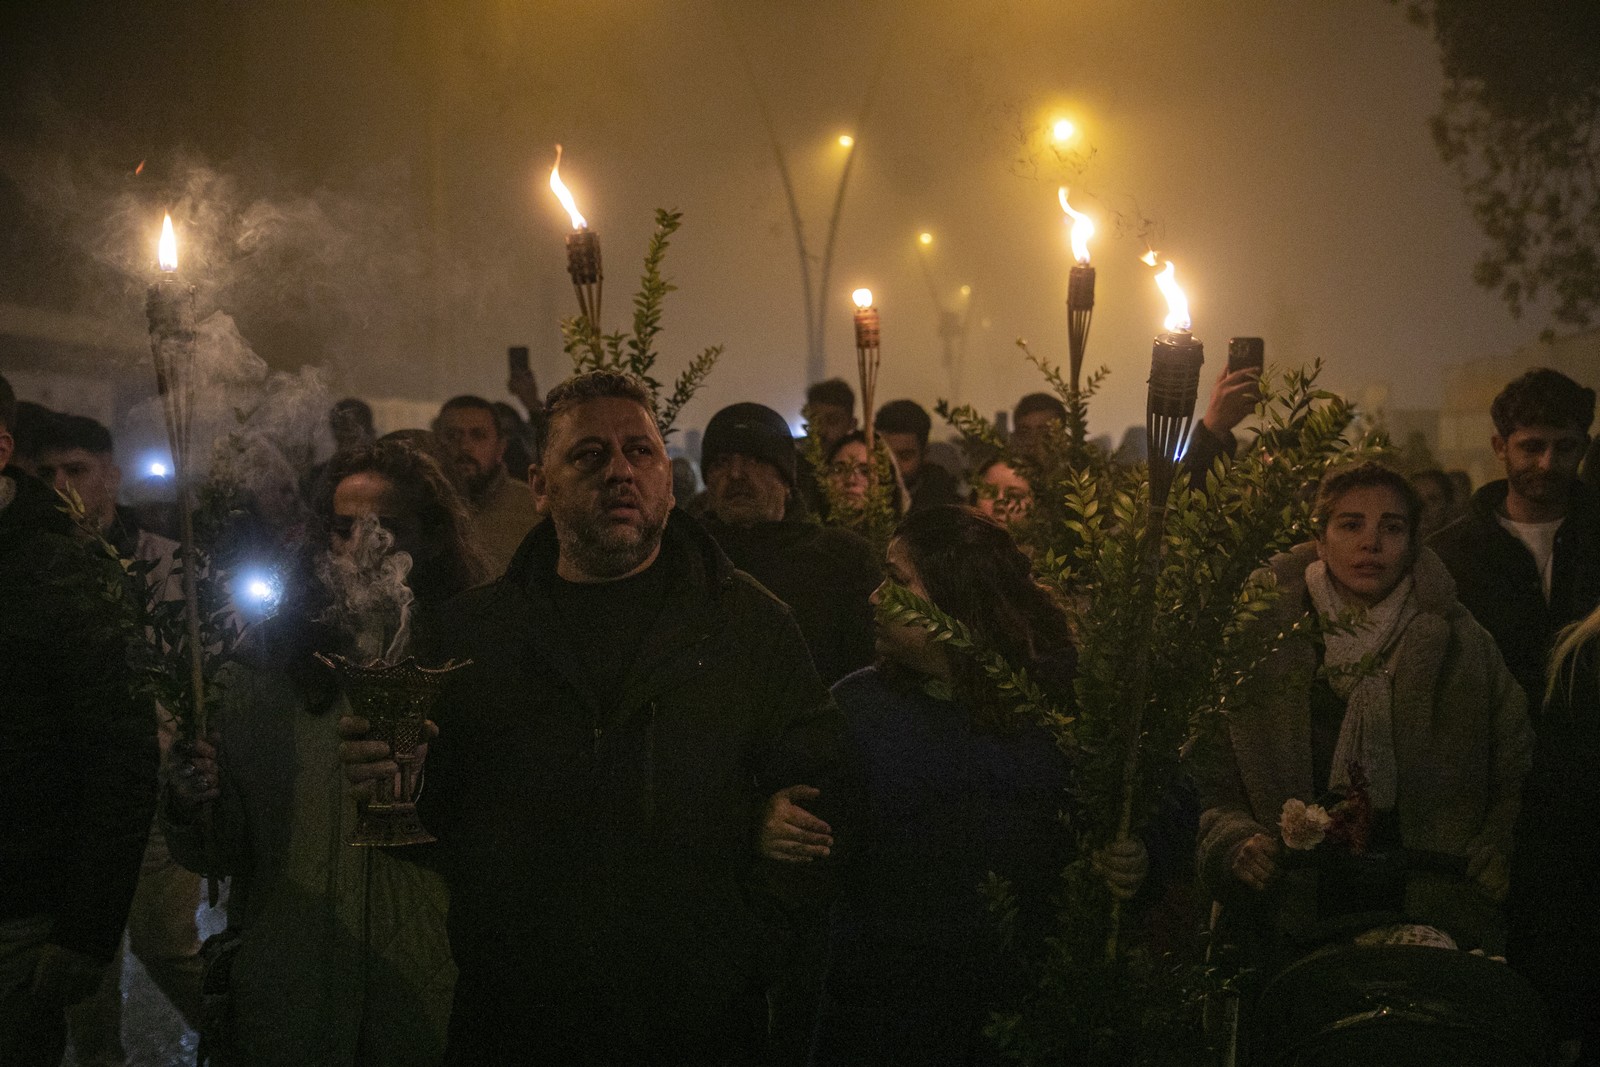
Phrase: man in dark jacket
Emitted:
{"points": [[904, 427], [77, 764], [600, 767], [1526, 560], [1526, 557], [824, 573]]}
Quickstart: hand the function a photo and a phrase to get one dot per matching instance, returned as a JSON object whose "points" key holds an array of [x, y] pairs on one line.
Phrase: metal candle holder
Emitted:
{"points": [[588, 280], [395, 699]]}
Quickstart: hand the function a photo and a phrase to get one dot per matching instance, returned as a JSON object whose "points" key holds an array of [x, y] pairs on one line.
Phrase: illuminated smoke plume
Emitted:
{"points": [[371, 606]]}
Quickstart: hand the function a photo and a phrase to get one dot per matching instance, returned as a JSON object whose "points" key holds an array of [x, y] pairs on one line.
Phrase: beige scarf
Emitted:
{"points": [[1367, 733]]}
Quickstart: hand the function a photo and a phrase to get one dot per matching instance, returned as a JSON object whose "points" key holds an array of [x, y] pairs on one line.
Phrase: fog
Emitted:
{"points": [[362, 187]]}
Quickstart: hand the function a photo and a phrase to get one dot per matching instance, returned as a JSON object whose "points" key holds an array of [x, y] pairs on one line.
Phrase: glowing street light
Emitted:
{"points": [[1062, 130], [846, 141], [925, 238]]}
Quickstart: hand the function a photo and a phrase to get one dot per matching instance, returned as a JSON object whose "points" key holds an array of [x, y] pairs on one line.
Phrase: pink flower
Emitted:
{"points": [[1303, 825]]}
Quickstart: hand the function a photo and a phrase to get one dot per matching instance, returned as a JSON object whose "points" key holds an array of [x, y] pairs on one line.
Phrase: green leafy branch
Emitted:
{"points": [[635, 353]]}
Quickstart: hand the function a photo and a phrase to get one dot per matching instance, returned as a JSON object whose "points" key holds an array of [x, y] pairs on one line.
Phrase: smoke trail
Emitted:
{"points": [[371, 605]]}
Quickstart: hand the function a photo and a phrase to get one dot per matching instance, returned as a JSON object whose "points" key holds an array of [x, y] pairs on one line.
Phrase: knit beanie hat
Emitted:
{"points": [[749, 430]]}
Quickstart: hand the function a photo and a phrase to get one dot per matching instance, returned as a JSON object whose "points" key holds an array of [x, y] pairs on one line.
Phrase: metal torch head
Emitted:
{"points": [[583, 257], [1175, 362]]}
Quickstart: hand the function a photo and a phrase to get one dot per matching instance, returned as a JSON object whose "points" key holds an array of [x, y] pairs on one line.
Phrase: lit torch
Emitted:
{"points": [[1175, 361], [1080, 289], [867, 356], [169, 307], [1174, 385], [583, 251]]}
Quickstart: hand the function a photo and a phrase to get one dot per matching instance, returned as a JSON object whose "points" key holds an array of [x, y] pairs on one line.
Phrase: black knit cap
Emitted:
{"points": [[749, 430]]}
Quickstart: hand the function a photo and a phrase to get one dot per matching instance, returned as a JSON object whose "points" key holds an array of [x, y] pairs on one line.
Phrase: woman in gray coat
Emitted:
{"points": [[1403, 701]]}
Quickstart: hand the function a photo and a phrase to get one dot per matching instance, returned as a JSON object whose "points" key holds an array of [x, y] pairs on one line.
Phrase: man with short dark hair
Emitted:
{"points": [[1526, 560], [830, 411], [904, 427], [77, 763], [1035, 418], [503, 510], [600, 765], [350, 421], [75, 454], [830, 414], [824, 573]]}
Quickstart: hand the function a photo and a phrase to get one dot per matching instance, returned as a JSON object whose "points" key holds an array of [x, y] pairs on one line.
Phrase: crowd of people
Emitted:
{"points": [[696, 801]]}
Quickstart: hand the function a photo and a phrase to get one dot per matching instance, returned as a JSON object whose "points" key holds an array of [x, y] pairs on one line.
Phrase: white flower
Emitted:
{"points": [[1303, 825]]}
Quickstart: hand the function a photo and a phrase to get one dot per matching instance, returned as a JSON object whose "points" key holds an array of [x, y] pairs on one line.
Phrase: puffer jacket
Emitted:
{"points": [[605, 846], [1462, 749], [343, 957]]}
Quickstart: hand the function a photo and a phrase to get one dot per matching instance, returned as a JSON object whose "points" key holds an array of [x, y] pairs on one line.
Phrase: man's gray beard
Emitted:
{"points": [[600, 559]]}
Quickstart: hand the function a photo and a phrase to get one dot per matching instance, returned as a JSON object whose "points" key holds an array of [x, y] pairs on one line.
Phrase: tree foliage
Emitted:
{"points": [[1168, 613], [1518, 122], [635, 352]]}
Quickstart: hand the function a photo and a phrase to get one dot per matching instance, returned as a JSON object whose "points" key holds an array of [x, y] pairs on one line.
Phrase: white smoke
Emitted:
{"points": [[371, 605]]}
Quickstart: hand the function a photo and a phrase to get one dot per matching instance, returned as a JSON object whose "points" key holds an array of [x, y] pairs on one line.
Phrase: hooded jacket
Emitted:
{"points": [[609, 846], [1462, 748]]}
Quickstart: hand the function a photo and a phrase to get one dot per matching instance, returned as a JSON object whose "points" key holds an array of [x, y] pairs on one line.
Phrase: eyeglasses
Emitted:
{"points": [[846, 470]]}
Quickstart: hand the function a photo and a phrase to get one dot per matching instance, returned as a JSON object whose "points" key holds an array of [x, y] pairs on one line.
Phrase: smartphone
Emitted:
{"points": [[517, 358], [1246, 352]]}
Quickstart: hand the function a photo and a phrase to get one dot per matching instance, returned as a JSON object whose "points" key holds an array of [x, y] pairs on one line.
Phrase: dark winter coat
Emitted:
{"points": [[1497, 581], [824, 573], [77, 746], [933, 487], [1555, 926], [610, 848], [915, 955]]}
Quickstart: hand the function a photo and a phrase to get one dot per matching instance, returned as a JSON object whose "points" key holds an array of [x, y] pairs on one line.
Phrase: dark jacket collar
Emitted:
{"points": [[701, 578], [1489, 504], [36, 507]]}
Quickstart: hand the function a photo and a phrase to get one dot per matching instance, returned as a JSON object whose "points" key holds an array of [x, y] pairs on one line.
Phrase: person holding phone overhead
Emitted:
{"points": [[1232, 398]]}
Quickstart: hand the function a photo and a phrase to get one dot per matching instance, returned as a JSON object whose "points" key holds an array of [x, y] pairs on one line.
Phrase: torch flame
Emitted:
{"points": [[1177, 303], [167, 248], [862, 297], [578, 221], [1149, 257], [1082, 228]]}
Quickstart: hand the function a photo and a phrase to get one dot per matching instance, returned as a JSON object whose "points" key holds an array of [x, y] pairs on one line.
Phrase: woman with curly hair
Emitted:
{"points": [[341, 953]]}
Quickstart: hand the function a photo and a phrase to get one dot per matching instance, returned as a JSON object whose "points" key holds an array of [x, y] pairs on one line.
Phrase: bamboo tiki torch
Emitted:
{"points": [[583, 252], [1175, 361], [1080, 304], [169, 307], [867, 356]]}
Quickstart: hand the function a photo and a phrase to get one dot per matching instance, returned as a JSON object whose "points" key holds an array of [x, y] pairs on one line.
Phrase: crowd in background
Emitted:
{"points": [[695, 801]]}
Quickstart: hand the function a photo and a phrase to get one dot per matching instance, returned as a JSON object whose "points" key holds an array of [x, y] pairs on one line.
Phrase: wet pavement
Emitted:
{"points": [[153, 1033]]}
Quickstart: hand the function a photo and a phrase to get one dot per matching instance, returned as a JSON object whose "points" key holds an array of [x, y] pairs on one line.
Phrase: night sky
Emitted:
{"points": [[362, 185]]}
